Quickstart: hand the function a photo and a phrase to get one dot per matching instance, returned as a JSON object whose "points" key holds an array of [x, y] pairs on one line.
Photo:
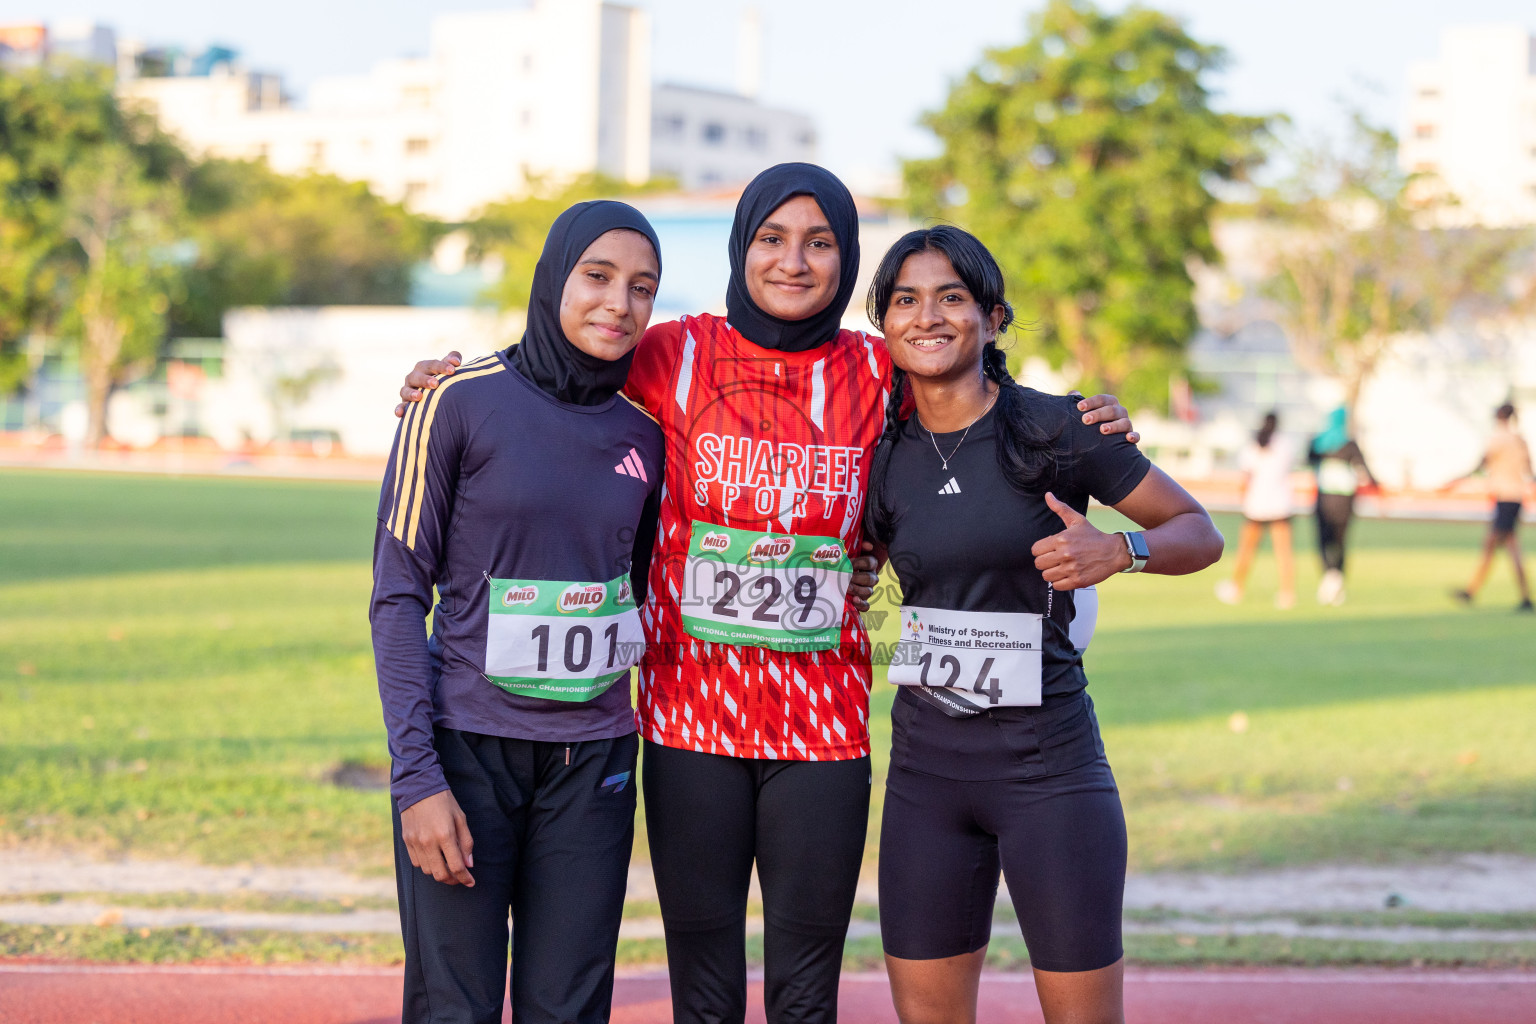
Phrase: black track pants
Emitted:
{"points": [[552, 844], [708, 817], [1333, 515]]}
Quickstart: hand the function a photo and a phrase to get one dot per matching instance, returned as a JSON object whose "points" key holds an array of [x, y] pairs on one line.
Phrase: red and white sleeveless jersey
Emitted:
{"points": [[756, 439]]}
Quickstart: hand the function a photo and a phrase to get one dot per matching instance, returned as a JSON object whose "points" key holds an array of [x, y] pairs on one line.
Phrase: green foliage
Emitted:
{"points": [[1365, 252], [1085, 158], [512, 231], [265, 239], [53, 122], [122, 219]]}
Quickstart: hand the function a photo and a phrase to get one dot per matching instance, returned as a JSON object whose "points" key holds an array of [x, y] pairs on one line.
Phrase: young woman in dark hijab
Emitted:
{"points": [[754, 694], [521, 490]]}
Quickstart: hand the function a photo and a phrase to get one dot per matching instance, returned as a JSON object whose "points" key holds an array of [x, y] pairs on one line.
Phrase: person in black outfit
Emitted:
{"points": [[1340, 467], [996, 761]]}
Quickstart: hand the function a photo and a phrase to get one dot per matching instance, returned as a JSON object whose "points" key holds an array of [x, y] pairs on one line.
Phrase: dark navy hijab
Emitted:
{"points": [[767, 192], [545, 356]]}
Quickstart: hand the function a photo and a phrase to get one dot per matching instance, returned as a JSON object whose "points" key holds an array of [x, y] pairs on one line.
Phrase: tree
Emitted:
{"points": [[265, 239], [1362, 256], [123, 220], [511, 231], [50, 120], [87, 191], [1085, 158]]}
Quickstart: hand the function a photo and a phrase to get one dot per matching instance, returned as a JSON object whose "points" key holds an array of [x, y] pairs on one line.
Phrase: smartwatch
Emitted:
{"points": [[1136, 544]]}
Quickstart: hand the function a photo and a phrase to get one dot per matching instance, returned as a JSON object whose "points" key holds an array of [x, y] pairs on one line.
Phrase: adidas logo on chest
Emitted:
{"points": [[631, 466], [953, 487]]}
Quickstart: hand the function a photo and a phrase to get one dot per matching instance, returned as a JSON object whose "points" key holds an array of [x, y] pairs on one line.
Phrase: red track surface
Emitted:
{"points": [[100, 994]]}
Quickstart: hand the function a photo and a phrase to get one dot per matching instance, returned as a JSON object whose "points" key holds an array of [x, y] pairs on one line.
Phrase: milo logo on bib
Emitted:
{"points": [[519, 596], [828, 553], [715, 542], [770, 549], [583, 597]]}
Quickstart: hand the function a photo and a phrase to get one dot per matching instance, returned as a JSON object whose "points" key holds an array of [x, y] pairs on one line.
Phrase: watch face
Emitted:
{"points": [[1138, 544]]}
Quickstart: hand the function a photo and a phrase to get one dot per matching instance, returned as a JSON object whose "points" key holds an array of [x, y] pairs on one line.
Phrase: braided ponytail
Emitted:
{"points": [[877, 514], [1026, 454]]}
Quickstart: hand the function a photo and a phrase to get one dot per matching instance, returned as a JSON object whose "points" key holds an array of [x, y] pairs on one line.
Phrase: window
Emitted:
{"points": [[1423, 131], [807, 138], [714, 133], [417, 147], [668, 126], [756, 138]]}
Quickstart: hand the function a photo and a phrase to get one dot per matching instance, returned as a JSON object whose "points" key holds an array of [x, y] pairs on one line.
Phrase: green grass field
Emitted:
{"points": [[184, 663]]}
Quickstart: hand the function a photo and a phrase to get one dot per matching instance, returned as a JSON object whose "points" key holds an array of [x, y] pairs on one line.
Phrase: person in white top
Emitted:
{"points": [[1266, 463]]}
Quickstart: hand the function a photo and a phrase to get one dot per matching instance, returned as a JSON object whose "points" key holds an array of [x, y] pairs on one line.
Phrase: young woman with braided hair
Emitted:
{"points": [[996, 763]]}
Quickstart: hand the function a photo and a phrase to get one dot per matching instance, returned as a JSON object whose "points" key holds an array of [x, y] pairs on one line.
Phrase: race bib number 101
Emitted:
{"points": [[561, 641], [781, 591]]}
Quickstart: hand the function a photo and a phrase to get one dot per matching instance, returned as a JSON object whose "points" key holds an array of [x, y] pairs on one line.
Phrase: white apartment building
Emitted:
{"points": [[706, 138], [557, 88], [1471, 122]]}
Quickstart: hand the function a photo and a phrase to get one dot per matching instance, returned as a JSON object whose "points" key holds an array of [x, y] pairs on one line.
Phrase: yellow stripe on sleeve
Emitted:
{"points": [[417, 466], [407, 426], [409, 444]]}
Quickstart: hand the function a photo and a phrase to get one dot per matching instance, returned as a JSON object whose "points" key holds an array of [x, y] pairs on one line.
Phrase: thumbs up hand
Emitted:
{"points": [[1081, 554]]}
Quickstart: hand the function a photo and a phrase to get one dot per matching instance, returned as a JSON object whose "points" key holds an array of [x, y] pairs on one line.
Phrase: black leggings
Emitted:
{"points": [[553, 825], [708, 817], [1333, 515]]}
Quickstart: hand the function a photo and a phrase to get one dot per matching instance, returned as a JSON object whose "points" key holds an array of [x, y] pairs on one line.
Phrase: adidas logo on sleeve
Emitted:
{"points": [[953, 487]]}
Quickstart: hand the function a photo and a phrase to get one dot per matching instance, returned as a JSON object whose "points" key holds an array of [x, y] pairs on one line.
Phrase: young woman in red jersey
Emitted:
{"points": [[979, 496], [754, 694]]}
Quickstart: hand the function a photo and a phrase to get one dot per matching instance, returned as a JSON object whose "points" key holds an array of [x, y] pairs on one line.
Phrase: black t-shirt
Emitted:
{"points": [[960, 538]]}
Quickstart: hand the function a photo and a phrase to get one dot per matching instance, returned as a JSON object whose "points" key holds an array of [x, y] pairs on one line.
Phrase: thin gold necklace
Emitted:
{"points": [[968, 426]]}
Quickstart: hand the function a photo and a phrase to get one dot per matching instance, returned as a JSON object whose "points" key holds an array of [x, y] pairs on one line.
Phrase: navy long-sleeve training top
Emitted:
{"points": [[494, 491]]}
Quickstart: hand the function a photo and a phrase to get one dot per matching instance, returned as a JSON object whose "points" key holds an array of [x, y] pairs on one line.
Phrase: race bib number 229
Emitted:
{"points": [[781, 591]]}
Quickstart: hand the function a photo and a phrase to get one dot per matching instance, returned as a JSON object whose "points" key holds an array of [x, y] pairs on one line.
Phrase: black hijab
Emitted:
{"points": [[546, 356], [767, 192]]}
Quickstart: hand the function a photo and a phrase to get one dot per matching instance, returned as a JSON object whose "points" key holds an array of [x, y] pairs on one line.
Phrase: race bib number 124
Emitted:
{"points": [[980, 660]]}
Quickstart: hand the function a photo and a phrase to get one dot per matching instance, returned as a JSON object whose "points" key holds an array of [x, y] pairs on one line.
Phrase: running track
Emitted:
{"points": [[32, 993]]}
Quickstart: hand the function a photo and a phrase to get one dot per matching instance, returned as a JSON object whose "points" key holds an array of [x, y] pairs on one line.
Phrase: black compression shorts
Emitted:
{"points": [[1059, 839], [1506, 516]]}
